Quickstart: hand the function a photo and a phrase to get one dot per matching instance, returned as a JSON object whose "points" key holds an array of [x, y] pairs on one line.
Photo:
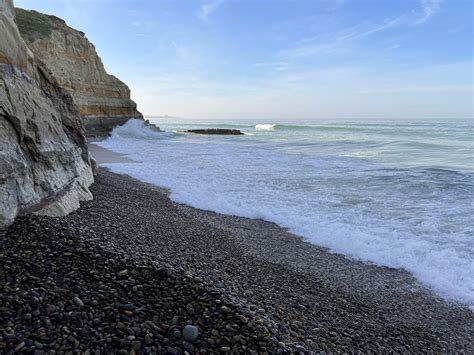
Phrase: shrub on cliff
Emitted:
{"points": [[32, 24]]}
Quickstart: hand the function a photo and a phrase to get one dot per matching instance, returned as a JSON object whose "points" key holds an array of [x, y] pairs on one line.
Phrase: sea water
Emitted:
{"points": [[398, 194]]}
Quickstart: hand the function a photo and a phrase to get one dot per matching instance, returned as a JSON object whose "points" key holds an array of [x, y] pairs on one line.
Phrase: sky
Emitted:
{"points": [[288, 59]]}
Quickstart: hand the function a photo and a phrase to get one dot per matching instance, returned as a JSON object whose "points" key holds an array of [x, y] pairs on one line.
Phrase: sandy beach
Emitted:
{"points": [[141, 268], [102, 155]]}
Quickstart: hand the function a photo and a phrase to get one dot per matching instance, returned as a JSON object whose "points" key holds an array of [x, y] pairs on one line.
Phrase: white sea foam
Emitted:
{"points": [[265, 127], [415, 218], [138, 129]]}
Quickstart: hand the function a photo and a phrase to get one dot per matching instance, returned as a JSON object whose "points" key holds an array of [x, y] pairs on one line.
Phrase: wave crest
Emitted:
{"points": [[265, 127]]}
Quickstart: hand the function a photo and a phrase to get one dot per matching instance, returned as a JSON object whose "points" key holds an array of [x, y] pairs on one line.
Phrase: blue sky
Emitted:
{"points": [[323, 59]]}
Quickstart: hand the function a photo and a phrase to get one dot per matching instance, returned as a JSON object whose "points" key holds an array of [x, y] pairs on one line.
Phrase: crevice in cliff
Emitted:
{"points": [[8, 119], [7, 116], [7, 91], [71, 126], [46, 201], [27, 143]]}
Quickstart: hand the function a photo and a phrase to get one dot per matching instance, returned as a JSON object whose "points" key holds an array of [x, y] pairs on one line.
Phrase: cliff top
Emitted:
{"points": [[33, 24]]}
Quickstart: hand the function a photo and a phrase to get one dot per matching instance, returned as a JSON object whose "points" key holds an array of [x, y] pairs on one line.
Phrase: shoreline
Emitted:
{"points": [[302, 296], [406, 279], [103, 156]]}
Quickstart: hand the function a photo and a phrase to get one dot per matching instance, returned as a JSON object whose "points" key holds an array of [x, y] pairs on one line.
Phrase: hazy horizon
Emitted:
{"points": [[319, 60], [276, 119]]}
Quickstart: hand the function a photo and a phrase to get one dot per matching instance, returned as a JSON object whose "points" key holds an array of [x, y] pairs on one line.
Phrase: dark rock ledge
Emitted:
{"points": [[218, 131]]}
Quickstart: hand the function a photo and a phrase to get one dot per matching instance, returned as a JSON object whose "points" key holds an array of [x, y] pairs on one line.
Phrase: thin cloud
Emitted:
{"points": [[388, 23], [429, 8], [338, 42], [312, 50], [208, 8], [421, 88]]}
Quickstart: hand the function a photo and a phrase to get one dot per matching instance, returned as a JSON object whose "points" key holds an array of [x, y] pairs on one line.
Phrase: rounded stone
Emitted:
{"points": [[190, 309], [225, 309], [148, 339], [78, 302], [190, 333], [122, 273], [188, 347], [177, 333]]}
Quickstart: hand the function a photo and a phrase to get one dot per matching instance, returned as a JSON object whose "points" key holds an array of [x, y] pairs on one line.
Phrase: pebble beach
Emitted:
{"points": [[132, 272], [285, 177]]}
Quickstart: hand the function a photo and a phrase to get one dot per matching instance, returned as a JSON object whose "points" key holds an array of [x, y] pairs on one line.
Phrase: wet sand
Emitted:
{"points": [[102, 155]]}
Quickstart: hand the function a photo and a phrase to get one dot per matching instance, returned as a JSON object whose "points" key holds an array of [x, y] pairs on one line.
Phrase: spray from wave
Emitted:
{"points": [[139, 129]]}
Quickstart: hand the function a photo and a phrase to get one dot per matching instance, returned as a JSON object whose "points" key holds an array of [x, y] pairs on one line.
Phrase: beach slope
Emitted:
{"points": [[131, 269]]}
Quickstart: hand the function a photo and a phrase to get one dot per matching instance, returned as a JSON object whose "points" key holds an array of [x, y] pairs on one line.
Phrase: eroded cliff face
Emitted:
{"points": [[103, 100], [44, 161]]}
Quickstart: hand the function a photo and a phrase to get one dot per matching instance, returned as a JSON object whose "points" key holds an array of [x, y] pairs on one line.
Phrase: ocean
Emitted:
{"points": [[392, 193]]}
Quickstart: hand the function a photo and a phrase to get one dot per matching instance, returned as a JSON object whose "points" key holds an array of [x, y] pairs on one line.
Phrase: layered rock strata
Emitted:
{"points": [[44, 161], [103, 100]]}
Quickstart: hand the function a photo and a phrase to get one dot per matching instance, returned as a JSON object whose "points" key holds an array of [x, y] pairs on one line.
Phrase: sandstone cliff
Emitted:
{"points": [[103, 100], [44, 161]]}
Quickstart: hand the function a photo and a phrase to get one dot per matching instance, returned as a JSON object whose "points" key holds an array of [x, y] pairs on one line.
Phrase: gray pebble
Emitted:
{"points": [[177, 333], [122, 273], [20, 346], [136, 344], [148, 339], [190, 333], [225, 309], [78, 302], [190, 309], [188, 347]]}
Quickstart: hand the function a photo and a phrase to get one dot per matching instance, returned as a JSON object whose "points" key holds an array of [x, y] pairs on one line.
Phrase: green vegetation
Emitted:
{"points": [[32, 24]]}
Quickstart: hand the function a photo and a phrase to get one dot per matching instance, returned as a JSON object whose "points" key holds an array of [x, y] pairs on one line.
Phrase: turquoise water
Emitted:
{"points": [[398, 194], [434, 144]]}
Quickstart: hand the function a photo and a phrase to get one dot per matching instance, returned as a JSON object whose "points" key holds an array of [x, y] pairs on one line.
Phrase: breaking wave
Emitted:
{"points": [[139, 129], [265, 127]]}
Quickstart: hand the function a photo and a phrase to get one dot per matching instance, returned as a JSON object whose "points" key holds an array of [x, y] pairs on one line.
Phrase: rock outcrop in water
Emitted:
{"points": [[219, 131], [44, 160], [103, 100]]}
